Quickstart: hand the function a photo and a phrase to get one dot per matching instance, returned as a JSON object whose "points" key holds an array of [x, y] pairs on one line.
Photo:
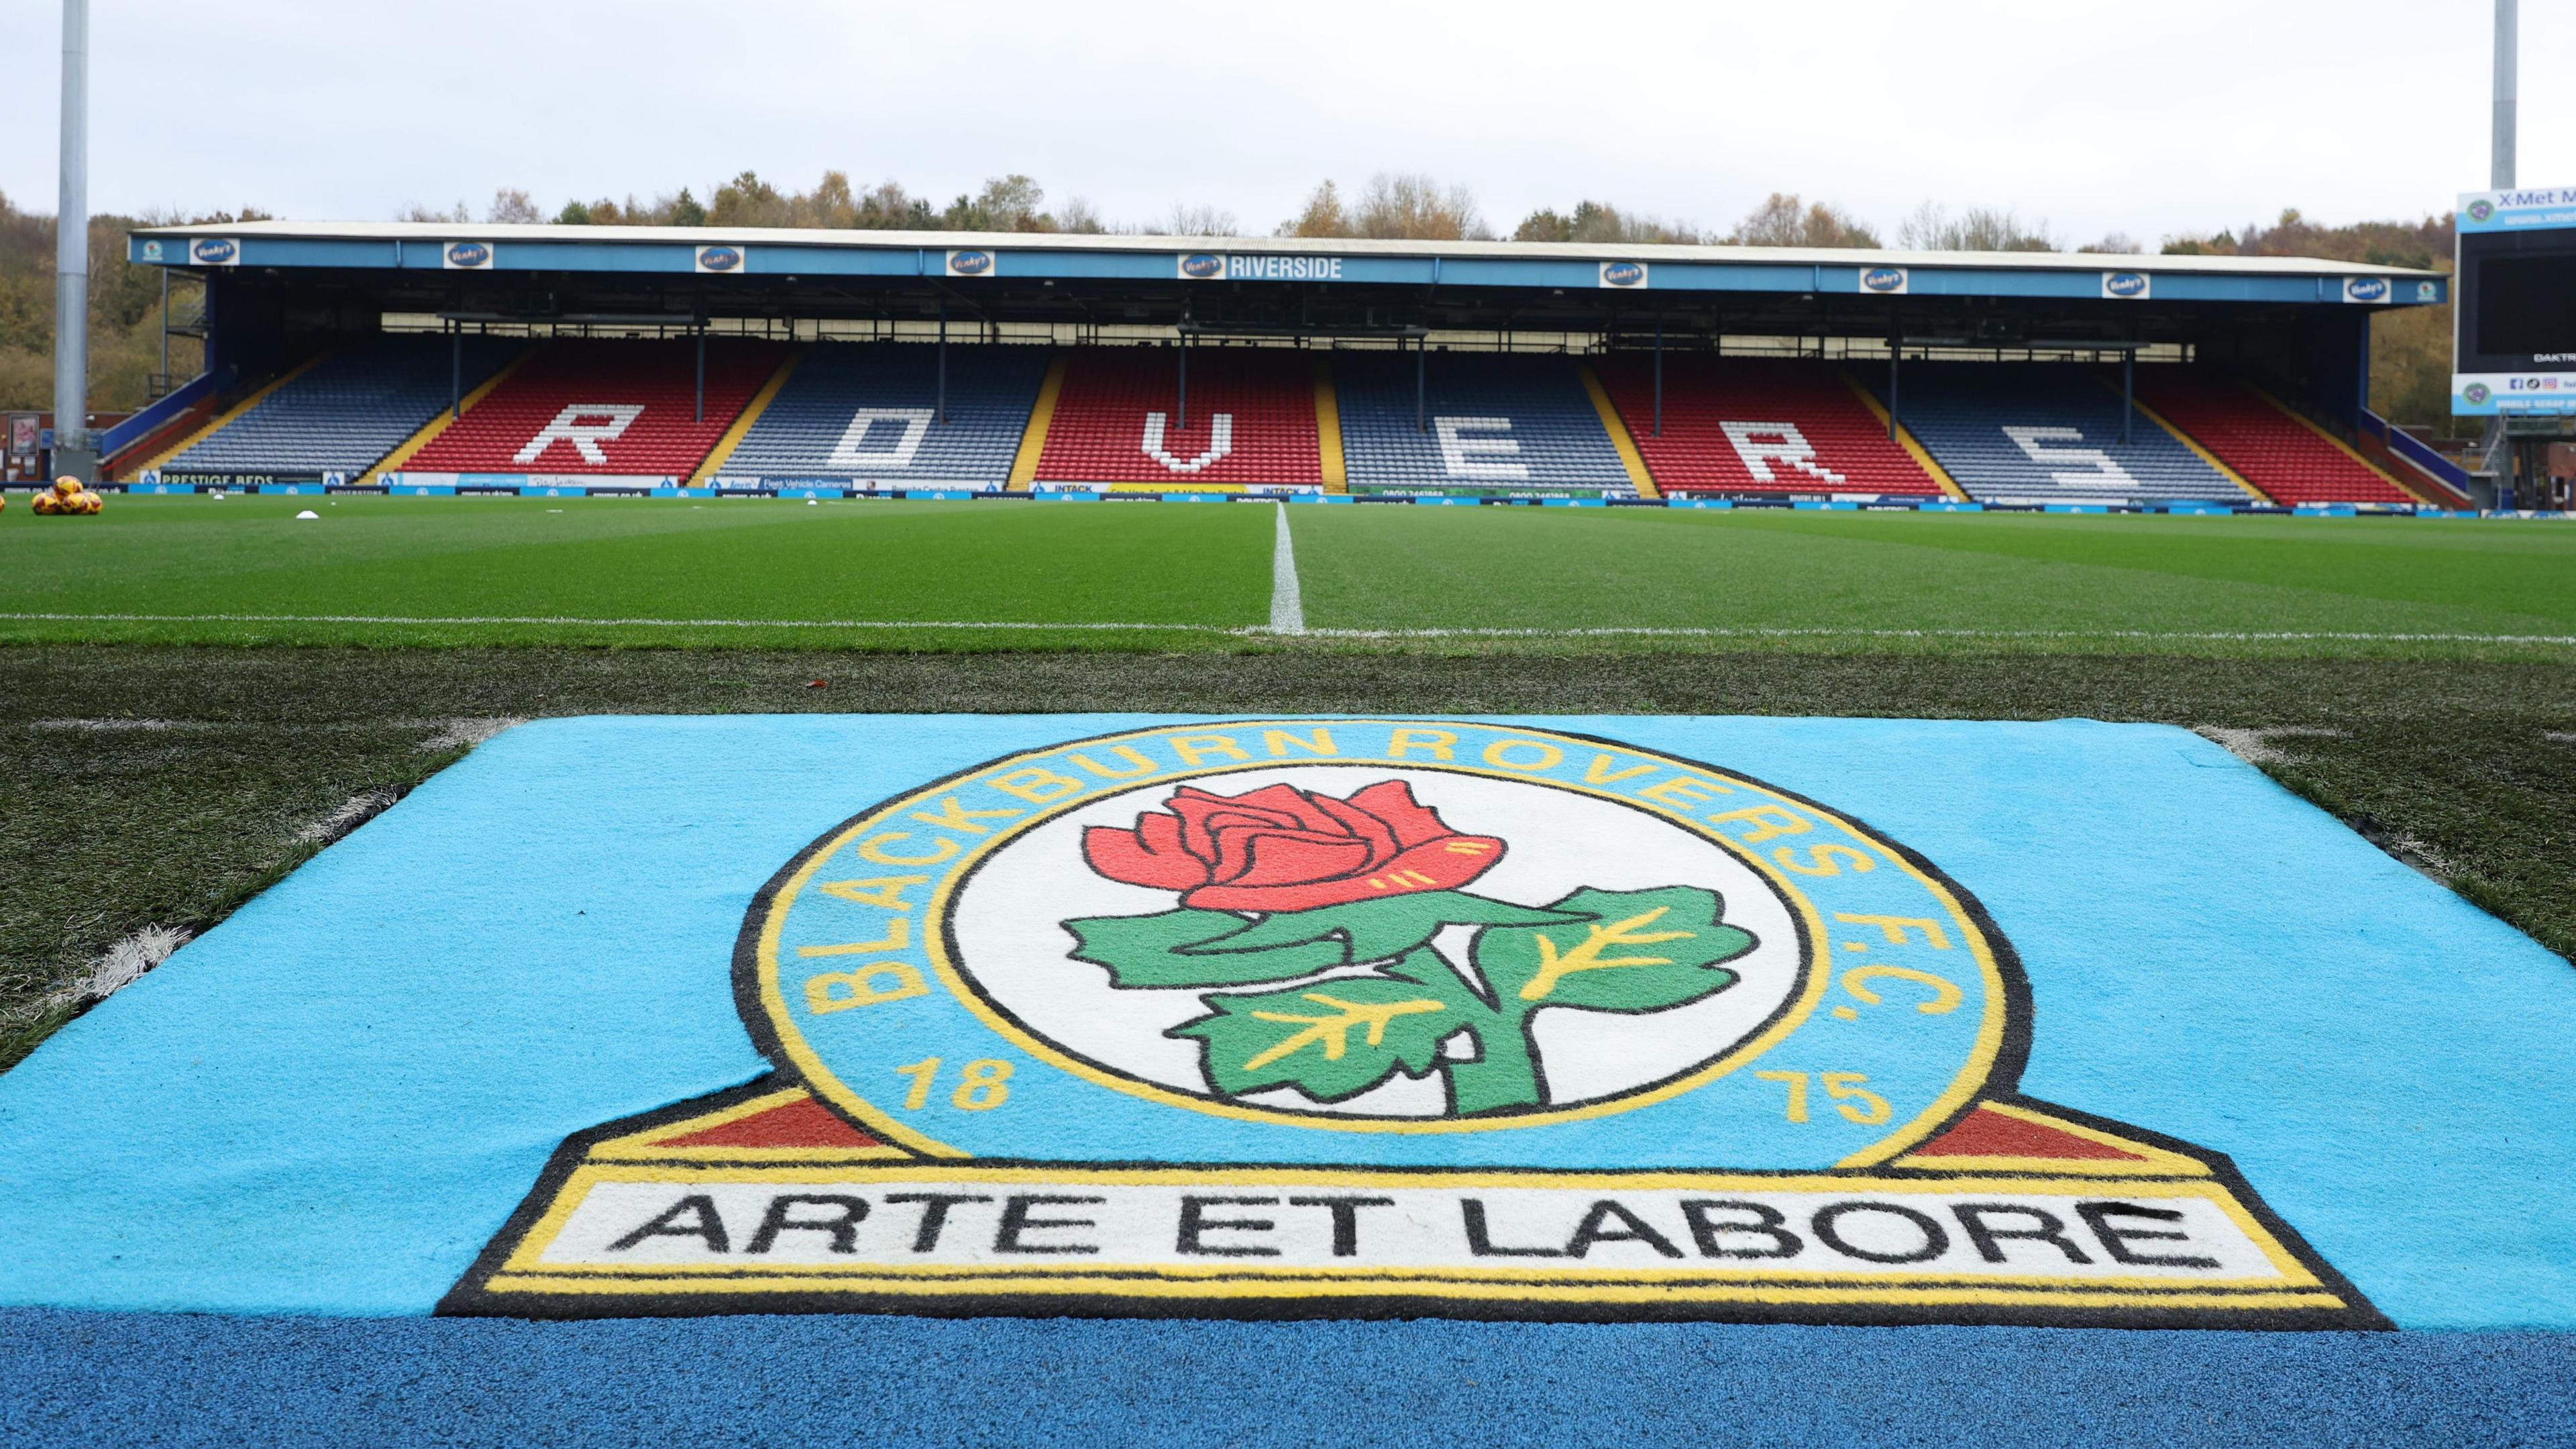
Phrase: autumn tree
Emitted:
{"points": [[1323, 215], [1785, 219], [510, 204], [1599, 221], [1393, 207], [1978, 229]]}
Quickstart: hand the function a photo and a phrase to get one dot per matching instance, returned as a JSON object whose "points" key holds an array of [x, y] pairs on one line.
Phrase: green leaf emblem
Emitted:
{"points": [[1635, 951], [1190, 948], [1332, 1040], [1630, 952]]}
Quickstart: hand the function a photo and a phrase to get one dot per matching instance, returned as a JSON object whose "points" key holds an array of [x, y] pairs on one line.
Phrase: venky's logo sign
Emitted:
{"points": [[1316, 1016]]}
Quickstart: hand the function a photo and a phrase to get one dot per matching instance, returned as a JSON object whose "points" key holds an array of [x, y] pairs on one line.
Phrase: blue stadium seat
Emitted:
{"points": [[347, 412], [2039, 432], [1494, 424], [864, 412]]}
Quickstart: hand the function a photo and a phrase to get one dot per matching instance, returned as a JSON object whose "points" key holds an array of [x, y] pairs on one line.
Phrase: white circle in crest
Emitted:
{"points": [[1011, 946]]}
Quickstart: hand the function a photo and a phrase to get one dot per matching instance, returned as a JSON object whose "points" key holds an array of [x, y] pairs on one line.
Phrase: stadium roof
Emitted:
{"points": [[985, 258]]}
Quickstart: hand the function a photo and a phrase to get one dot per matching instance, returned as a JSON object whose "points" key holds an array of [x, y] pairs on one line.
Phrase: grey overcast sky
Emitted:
{"points": [[2139, 118]]}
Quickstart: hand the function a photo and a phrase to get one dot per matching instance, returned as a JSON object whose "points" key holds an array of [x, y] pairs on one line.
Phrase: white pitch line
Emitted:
{"points": [[2256, 747], [467, 731], [554, 619], [1696, 633], [1287, 603], [1255, 630], [123, 964], [353, 812]]}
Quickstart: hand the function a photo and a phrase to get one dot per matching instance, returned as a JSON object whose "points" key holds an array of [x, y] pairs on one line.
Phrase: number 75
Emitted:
{"points": [[1867, 1108]]}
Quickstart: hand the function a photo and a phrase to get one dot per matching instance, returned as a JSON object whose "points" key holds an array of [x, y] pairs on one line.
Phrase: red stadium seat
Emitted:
{"points": [[626, 409], [1743, 425], [2272, 450], [1251, 420]]}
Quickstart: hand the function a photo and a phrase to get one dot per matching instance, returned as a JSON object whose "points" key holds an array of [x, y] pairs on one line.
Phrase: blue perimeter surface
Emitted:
{"points": [[129, 1379], [328, 1104]]}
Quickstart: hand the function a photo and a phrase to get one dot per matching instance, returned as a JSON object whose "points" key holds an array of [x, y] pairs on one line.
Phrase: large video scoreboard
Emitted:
{"points": [[2513, 318]]}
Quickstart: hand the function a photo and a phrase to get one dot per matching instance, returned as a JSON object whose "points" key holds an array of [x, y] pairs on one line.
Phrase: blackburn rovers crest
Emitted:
{"points": [[1346, 1017]]}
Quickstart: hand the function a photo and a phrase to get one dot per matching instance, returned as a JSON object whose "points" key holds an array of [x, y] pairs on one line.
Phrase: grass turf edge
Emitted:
{"points": [[167, 785]]}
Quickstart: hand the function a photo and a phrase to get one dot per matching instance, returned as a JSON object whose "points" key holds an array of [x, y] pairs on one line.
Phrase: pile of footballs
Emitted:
{"points": [[67, 497]]}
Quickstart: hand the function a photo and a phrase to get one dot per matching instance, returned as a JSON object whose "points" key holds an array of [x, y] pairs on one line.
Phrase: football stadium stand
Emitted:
{"points": [[2039, 432], [1251, 420], [620, 409], [869, 413], [1759, 426], [1146, 363], [344, 412], [1483, 423], [2274, 451]]}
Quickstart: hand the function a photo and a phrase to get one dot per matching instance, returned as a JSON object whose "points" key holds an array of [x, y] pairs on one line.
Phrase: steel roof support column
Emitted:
{"points": [[455, 371], [1422, 383], [1659, 374], [941, 403], [1895, 351], [1185, 380], [2128, 391], [702, 372]]}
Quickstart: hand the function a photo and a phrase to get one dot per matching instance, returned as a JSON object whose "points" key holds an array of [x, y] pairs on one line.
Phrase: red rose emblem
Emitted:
{"points": [[1280, 848]]}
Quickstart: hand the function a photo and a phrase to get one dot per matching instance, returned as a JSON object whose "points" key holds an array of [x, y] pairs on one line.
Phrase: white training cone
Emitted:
{"points": [[308, 513]]}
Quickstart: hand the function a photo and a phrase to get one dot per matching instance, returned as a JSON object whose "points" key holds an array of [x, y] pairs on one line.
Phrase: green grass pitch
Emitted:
{"points": [[899, 575], [2416, 677]]}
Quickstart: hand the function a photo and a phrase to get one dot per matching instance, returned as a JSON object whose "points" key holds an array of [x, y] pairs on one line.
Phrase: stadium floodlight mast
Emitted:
{"points": [[2507, 88], [72, 452], [2496, 445]]}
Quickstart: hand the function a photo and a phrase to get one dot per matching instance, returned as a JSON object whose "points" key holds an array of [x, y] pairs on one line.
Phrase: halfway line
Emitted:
{"points": [[1287, 604]]}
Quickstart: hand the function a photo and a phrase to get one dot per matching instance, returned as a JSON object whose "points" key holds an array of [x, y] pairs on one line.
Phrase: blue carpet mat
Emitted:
{"points": [[132, 1379], [1831, 1022]]}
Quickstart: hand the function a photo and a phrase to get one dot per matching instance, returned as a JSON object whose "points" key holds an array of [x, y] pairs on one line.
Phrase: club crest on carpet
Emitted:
{"points": [[1335, 1016]]}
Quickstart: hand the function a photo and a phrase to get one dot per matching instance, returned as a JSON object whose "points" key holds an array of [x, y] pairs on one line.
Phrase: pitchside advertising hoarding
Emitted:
{"points": [[2514, 329]]}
